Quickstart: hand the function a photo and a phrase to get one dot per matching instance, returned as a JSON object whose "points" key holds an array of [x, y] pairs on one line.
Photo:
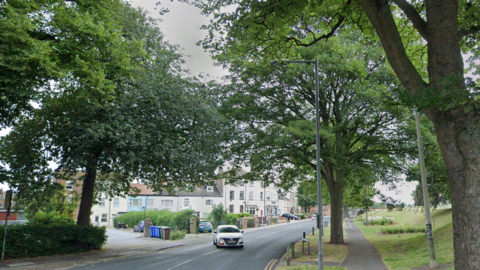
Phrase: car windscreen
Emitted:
{"points": [[229, 230]]}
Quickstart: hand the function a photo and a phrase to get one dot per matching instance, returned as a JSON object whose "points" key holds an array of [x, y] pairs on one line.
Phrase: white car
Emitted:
{"points": [[228, 236]]}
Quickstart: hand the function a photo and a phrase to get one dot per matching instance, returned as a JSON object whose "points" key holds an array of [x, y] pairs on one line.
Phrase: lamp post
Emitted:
{"points": [[319, 188]]}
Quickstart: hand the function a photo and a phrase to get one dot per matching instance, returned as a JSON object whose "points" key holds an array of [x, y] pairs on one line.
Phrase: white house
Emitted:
{"points": [[104, 213], [201, 199]]}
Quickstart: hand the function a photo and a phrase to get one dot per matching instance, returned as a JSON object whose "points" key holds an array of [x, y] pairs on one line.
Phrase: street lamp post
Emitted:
{"points": [[319, 187]]}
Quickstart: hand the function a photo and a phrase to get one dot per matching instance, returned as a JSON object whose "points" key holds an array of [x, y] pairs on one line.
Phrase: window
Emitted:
{"points": [[241, 195], [250, 195], [101, 202], [186, 202], [167, 203], [104, 217], [241, 183], [232, 195], [230, 209], [209, 188], [135, 202], [251, 184], [68, 185], [69, 198], [116, 202], [209, 202], [251, 210], [261, 195], [149, 202], [241, 208]]}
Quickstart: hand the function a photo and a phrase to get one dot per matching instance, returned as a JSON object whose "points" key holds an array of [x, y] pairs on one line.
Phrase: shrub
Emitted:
{"points": [[51, 218], [32, 240], [402, 229], [177, 235], [181, 220]]}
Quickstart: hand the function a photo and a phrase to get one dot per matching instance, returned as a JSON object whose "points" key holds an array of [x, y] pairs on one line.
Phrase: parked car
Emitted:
{"points": [[205, 226], [314, 217], [139, 227], [286, 215], [228, 236]]}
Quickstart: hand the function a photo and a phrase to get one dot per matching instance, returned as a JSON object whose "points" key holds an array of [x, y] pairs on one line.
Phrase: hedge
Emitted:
{"points": [[31, 240]]}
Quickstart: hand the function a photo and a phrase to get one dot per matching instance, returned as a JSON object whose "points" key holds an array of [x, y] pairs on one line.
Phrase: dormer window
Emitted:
{"points": [[209, 188]]}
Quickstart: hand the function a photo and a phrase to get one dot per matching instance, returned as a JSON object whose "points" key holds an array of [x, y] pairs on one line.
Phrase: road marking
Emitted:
{"points": [[348, 223], [270, 265], [179, 264], [211, 252]]}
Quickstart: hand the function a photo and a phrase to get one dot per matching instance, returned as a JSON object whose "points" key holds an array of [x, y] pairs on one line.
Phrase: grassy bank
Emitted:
{"points": [[408, 250]]}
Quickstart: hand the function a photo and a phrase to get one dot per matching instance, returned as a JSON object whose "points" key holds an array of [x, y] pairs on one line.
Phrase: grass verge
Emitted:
{"points": [[310, 267], [409, 250]]}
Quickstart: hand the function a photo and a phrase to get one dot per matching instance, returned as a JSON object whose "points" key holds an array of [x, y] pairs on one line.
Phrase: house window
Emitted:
{"points": [[241, 208], [104, 217], [149, 202], [251, 210], [230, 209], [135, 202], [241, 195], [186, 202], [209, 188], [232, 195], [167, 203], [241, 183], [116, 202], [251, 184], [68, 185], [69, 198], [209, 202], [250, 195], [101, 202], [261, 195]]}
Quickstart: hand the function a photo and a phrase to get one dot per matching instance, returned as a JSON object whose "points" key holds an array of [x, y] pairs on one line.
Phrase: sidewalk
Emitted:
{"points": [[361, 255]]}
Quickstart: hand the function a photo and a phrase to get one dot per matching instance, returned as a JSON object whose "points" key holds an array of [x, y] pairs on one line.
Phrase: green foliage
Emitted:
{"points": [[50, 218], [177, 235], [181, 220], [218, 213], [402, 229], [33, 240]]}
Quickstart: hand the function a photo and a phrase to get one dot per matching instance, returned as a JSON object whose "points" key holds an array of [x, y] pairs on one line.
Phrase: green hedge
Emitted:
{"points": [[179, 220], [31, 240]]}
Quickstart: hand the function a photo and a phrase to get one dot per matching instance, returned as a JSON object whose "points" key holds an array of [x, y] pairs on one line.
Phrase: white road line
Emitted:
{"points": [[179, 265], [211, 252]]}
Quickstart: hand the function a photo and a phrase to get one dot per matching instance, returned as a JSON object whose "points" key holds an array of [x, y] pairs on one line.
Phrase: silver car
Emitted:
{"points": [[228, 236]]}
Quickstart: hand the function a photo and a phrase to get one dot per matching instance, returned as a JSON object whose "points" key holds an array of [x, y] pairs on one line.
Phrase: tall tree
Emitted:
{"points": [[436, 85], [157, 127], [274, 106]]}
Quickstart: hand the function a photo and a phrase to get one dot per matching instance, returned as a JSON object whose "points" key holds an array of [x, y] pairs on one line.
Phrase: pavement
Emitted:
{"points": [[362, 255]]}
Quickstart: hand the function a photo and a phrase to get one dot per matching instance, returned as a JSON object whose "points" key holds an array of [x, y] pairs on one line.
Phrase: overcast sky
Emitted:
{"points": [[181, 26]]}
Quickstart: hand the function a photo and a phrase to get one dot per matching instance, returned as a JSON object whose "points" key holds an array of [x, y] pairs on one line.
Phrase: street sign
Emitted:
{"points": [[305, 240]]}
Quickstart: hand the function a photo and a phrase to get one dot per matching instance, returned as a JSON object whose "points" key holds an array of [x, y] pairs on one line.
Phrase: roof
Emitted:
{"points": [[197, 192]]}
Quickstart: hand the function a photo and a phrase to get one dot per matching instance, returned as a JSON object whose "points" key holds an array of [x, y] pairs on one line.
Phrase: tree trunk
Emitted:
{"points": [[87, 192], [459, 140], [336, 229]]}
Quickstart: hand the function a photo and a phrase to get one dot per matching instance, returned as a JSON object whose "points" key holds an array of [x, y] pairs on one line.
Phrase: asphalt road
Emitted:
{"points": [[263, 248]]}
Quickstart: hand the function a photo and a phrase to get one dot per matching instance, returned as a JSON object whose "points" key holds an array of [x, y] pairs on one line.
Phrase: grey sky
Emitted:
{"points": [[181, 26]]}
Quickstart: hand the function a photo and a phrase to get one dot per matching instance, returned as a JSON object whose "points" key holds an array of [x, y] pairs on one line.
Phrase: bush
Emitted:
{"points": [[51, 218], [181, 220], [32, 240], [402, 229], [381, 220], [177, 235]]}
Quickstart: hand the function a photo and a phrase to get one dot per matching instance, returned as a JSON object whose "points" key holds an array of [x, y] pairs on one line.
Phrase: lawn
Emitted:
{"points": [[408, 250], [310, 267]]}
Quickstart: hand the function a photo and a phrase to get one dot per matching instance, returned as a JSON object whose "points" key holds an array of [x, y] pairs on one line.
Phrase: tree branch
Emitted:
{"points": [[418, 22]]}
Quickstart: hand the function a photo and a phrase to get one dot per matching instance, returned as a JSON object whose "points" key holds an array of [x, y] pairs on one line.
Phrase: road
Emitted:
{"points": [[263, 248]]}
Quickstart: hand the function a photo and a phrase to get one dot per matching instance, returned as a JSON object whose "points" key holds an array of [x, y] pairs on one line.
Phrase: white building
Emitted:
{"points": [[107, 210], [253, 197]]}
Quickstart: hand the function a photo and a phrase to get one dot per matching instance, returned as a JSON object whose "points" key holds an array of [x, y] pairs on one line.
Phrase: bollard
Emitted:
{"points": [[313, 230], [288, 255], [293, 249], [308, 248], [303, 244]]}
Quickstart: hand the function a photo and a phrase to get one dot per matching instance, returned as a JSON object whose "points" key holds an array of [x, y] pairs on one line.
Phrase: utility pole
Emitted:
{"points": [[431, 247]]}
